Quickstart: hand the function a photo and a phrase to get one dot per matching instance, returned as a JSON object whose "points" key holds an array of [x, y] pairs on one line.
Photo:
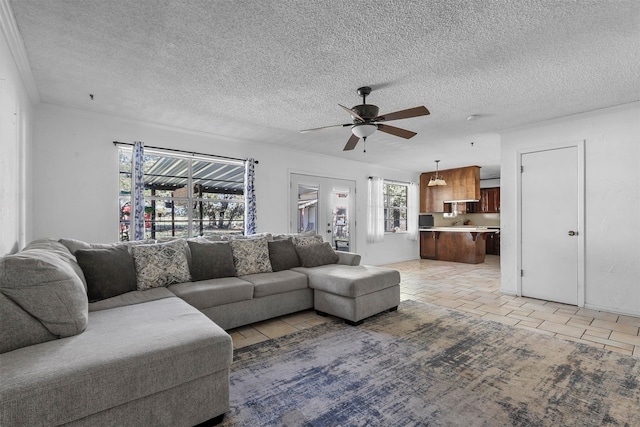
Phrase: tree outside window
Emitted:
{"points": [[395, 206]]}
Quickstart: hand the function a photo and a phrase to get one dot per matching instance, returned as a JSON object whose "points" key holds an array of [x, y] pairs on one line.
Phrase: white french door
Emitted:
{"points": [[324, 205], [551, 224]]}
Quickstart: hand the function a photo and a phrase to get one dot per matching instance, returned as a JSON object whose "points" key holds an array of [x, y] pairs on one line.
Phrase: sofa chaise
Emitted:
{"points": [[134, 333]]}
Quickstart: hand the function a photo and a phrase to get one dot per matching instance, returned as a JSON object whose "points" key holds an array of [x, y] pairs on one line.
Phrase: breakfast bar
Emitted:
{"points": [[458, 244]]}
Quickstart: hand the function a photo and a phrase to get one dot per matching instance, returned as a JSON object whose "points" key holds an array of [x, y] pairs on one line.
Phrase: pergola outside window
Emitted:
{"points": [[184, 195]]}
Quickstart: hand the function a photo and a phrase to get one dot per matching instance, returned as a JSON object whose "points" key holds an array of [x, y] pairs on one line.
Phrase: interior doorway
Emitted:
{"points": [[326, 206], [551, 223]]}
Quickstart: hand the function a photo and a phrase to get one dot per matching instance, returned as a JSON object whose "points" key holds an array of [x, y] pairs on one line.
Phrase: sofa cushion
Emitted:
{"points": [[18, 328], [161, 264], [292, 235], [125, 354], [350, 281], [131, 298], [283, 255], [213, 292], [205, 239], [75, 245], [211, 260], [318, 254], [251, 256], [54, 246], [267, 236], [46, 287], [276, 283], [109, 272]]}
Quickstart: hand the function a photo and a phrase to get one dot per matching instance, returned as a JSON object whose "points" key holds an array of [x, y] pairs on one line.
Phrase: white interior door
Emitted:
{"points": [[550, 225], [324, 205]]}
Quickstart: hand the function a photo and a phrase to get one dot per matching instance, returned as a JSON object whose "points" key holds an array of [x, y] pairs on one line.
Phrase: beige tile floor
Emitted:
{"points": [[475, 289]]}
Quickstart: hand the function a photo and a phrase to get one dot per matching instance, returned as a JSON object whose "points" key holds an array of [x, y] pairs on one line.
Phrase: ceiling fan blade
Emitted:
{"points": [[353, 113], [404, 114], [351, 143], [325, 127], [392, 130]]}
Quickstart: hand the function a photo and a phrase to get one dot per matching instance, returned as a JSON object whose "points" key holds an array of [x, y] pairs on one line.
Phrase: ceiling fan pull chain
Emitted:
{"points": [[364, 144]]}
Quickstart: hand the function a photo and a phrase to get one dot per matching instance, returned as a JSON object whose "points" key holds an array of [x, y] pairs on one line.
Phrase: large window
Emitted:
{"points": [[395, 206], [184, 196]]}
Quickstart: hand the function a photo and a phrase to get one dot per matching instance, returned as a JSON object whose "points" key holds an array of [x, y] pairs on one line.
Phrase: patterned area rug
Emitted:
{"points": [[426, 365]]}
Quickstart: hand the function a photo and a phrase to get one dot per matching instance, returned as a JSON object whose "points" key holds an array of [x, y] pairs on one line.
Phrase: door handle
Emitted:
{"points": [[329, 231], [573, 233]]}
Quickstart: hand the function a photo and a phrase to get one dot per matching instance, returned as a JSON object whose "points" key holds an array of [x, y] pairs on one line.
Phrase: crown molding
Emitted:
{"points": [[16, 46]]}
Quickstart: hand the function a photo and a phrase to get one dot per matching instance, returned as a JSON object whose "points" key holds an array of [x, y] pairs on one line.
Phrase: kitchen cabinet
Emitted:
{"points": [[493, 244], [456, 244], [489, 202], [428, 248], [462, 184], [460, 207]]}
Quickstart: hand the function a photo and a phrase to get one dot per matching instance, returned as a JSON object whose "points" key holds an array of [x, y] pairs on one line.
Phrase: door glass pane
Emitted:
{"points": [[340, 213], [307, 208]]}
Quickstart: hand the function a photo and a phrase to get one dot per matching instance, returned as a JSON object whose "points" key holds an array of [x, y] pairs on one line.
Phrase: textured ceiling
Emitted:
{"points": [[263, 70]]}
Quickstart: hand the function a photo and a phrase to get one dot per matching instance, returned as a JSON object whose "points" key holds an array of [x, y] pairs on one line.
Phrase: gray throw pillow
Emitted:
{"points": [[109, 272], [283, 255], [316, 255], [251, 256], [211, 260], [161, 264], [46, 287]]}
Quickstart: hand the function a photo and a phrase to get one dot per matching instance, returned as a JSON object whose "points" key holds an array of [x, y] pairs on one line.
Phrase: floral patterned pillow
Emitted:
{"points": [[307, 240], [251, 256], [161, 264]]}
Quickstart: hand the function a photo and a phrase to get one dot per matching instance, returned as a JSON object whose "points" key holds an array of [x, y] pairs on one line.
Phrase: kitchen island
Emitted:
{"points": [[458, 244]]}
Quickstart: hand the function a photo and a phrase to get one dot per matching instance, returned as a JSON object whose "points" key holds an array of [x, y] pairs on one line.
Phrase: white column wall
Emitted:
{"points": [[16, 116], [612, 202]]}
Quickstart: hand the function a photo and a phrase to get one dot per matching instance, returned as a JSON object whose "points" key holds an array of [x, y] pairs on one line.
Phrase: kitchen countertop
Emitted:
{"points": [[465, 229]]}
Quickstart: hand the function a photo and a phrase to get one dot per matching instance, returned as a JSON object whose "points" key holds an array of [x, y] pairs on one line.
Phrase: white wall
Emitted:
{"points": [[76, 181], [16, 113], [612, 202]]}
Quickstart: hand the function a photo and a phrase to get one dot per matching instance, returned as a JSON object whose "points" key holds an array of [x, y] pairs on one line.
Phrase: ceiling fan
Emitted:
{"points": [[366, 120]]}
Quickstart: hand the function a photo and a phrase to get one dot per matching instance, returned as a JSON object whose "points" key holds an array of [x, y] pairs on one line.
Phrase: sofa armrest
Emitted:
{"points": [[348, 258]]}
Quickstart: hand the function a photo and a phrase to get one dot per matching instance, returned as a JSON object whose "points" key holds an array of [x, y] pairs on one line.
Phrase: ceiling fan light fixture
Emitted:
{"points": [[363, 130]]}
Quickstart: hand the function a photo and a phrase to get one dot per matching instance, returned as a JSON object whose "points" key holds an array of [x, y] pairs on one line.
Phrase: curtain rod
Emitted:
{"points": [[392, 181], [194, 153]]}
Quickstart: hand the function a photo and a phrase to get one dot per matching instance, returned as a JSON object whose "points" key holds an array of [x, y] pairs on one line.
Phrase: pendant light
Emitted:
{"points": [[436, 180]]}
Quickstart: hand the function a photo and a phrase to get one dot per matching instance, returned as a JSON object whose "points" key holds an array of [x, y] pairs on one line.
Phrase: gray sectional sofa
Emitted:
{"points": [[134, 333]]}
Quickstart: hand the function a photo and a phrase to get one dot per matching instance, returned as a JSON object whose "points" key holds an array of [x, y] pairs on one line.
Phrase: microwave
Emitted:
{"points": [[425, 220]]}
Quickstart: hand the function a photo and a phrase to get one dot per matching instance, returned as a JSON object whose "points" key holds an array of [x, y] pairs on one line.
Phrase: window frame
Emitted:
{"points": [[387, 208], [191, 200]]}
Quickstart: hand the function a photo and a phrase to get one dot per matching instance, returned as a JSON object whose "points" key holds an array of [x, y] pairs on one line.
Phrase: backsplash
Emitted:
{"points": [[485, 219]]}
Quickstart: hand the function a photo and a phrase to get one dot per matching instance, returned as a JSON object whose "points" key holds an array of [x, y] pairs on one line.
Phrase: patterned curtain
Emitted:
{"points": [[249, 198], [375, 211], [413, 209], [137, 219]]}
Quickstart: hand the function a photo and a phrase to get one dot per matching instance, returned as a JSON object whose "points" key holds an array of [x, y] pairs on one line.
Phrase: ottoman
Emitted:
{"points": [[353, 293]]}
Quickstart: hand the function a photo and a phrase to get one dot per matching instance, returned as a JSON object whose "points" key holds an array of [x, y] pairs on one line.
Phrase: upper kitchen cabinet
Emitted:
{"points": [[489, 201], [463, 184]]}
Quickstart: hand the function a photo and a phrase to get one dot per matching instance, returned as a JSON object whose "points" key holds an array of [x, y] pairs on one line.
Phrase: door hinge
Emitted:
{"points": [[521, 169], [521, 273]]}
